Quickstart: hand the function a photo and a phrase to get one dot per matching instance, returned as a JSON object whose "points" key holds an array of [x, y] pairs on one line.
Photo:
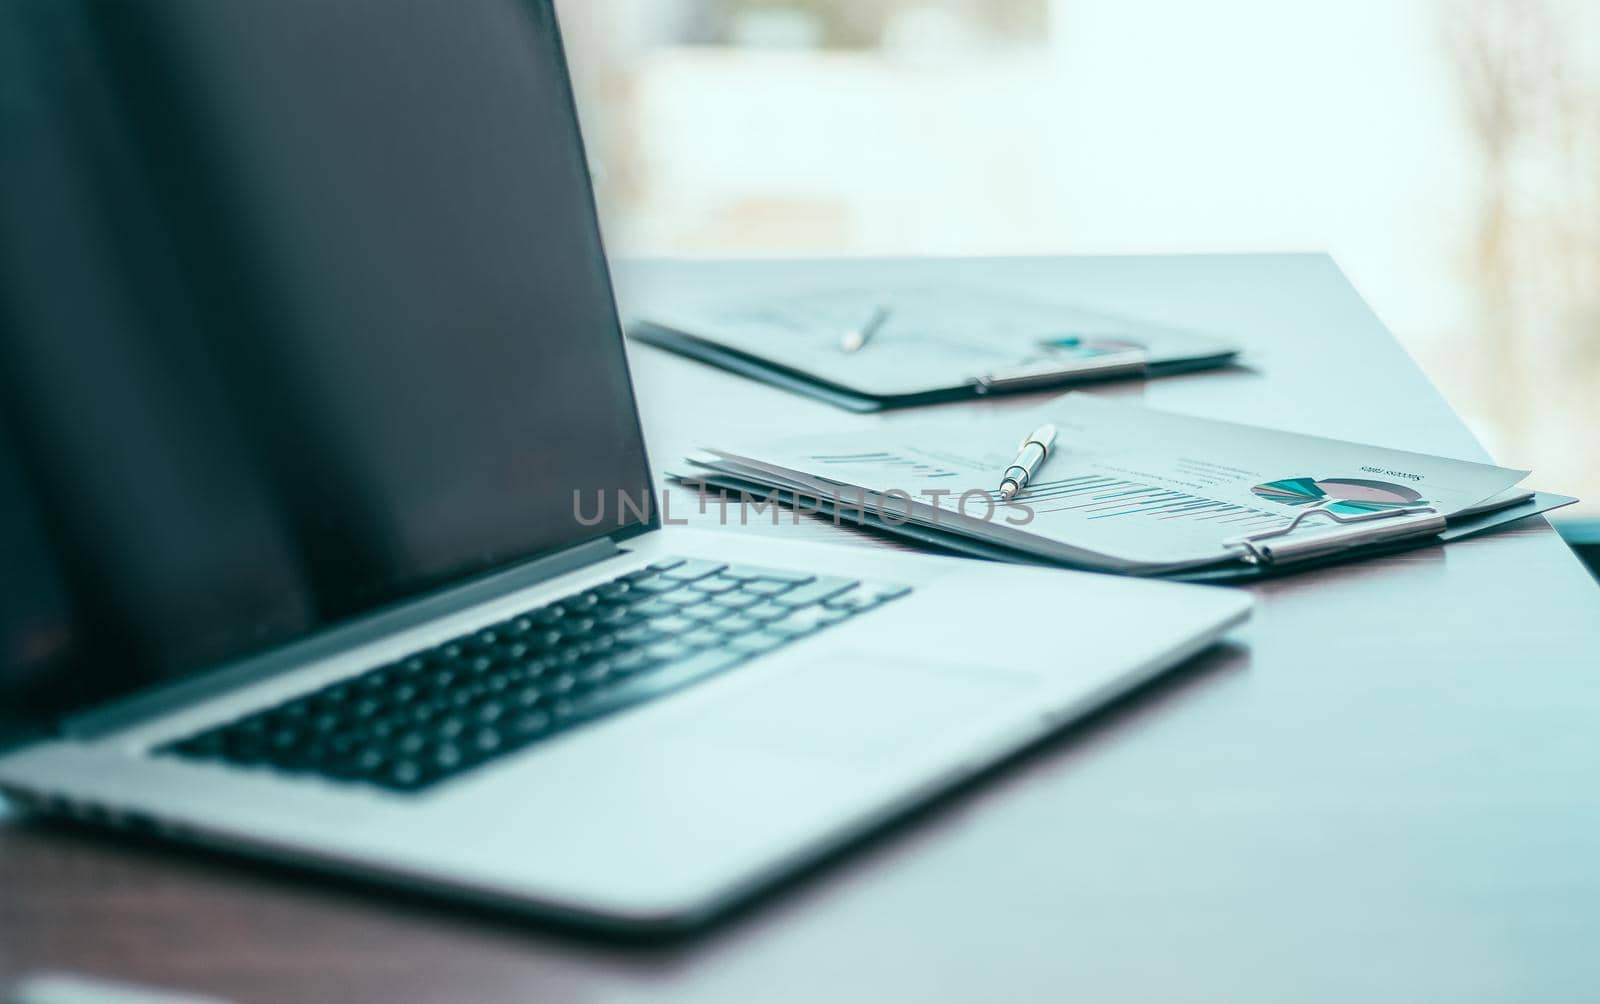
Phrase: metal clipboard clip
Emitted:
{"points": [[1046, 372], [1398, 527]]}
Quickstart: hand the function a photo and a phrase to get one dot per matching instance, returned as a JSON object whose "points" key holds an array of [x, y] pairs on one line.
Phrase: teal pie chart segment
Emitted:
{"points": [[1291, 491], [1345, 496]]}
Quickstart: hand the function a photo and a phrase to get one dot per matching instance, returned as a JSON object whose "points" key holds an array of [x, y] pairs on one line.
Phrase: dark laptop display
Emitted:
{"points": [[258, 381]]}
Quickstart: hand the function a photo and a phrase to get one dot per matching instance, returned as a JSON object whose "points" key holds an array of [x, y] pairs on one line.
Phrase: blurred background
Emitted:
{"points": [[1446, 152]]}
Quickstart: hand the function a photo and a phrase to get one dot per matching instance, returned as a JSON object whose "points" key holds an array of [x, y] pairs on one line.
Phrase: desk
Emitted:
{"points": [[1384, 789]]}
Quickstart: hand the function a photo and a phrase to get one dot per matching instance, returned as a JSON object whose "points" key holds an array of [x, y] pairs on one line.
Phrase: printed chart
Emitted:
{"points": [[1345, 496]]}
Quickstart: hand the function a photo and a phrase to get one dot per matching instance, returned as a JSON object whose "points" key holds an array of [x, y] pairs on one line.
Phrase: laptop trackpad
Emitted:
{"points": [[855, 706]]}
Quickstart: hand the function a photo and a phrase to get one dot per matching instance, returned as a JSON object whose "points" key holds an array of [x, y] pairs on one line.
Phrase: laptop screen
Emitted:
{"points": [[303, 312]]}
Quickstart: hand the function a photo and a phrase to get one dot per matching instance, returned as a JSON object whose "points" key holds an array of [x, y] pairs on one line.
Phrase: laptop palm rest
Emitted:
{"points": [[855, 706]]}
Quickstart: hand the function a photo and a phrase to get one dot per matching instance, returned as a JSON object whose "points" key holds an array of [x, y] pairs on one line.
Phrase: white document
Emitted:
{"points": [[1125, 488]]}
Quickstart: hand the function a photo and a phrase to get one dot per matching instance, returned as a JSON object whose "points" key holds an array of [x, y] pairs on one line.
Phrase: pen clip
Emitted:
{"points": [[1257, 552]]}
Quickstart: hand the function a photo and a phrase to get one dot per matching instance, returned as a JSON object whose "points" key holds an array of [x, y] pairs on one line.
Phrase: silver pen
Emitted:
{"points": [[855, 338], [1034, 449]]}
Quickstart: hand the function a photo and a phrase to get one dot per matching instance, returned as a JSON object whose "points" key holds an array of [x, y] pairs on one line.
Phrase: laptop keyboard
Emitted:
{"points": [[439, 712]]}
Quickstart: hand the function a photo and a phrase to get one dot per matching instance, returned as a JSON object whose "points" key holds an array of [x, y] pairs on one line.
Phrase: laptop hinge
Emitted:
{"points": [[161, 699]]}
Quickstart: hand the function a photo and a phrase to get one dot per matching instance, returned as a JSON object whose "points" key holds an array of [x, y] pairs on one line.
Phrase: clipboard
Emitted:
{"points": [[932, 345], [1361, 545], [1131, 491]]}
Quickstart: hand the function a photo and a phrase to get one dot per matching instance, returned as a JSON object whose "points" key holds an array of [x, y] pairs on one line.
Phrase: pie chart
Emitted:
{"points": [[1346, 496]]}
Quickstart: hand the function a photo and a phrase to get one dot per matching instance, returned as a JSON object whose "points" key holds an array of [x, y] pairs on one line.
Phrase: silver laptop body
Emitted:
{"points": [[314, 390]]}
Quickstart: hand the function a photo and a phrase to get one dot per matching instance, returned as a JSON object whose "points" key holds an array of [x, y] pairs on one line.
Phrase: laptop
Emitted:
{"points": [[327, 518]]}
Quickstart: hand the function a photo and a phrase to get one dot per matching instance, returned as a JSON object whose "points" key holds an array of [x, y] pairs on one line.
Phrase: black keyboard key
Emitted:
{"points": [[669, 650], [411, 743], [486, 741], [542, 639], [813, 592], [797, 624], [582, 603], [487, 638], [653, 607], [671, 624], [449, 727], [715, 585], [405, 775], [736, 601], [853, 602], [596, 673], [615, 617], [369, 761], [513, 654], [528, 725], [632, 662], [703, 611], [656, 584], [527, 695], [576, 626], [693, 568], [737, 624], [405, 693], [706, 613], [490, 712], [683, 598], [750, 572], [639, 634], [565, 659], [338, 693], [832, 615]]}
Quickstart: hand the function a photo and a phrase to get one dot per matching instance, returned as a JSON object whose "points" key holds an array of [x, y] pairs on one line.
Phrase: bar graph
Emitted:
{"points": [[1098, 497]]}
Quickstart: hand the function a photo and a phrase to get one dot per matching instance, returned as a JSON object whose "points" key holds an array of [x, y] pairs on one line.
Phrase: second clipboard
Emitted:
{"points": [[866, 347]]}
